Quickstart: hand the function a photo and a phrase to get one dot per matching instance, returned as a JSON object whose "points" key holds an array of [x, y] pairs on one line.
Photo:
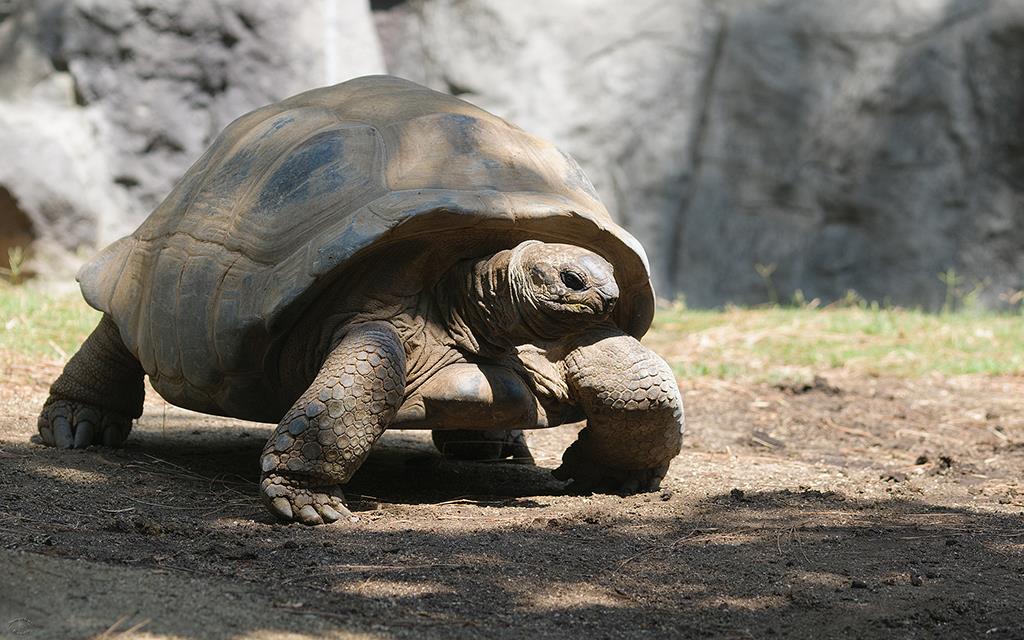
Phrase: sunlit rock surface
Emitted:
{"points": [[149, 85], [755, 147]]}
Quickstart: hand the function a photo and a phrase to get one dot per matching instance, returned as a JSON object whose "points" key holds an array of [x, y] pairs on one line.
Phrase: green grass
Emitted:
{"points": [[38, 322], [776, 343], [766, 343]]}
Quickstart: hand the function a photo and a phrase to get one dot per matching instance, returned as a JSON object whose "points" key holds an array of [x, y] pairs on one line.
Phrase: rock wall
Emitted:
{"points": [[755, 147], [105, 103]]}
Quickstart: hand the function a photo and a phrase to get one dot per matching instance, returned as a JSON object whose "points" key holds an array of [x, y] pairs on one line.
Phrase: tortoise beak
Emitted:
{"points": [[609, 295], [603, 291]]}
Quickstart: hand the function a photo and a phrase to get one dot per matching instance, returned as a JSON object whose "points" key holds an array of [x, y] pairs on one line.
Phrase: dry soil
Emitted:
{"points": [[854, 507]]}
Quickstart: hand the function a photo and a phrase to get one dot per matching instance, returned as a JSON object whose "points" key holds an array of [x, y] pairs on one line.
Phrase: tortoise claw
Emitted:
{"points": [[73, 425], [63, 437], [291, 501]]}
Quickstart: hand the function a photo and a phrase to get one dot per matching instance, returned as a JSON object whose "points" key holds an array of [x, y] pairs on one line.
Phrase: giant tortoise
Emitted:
{"points": [[378, 255]]}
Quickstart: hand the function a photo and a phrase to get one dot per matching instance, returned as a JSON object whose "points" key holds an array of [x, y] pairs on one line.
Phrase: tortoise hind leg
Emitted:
{"points": [[97, 395], [467, 404], [466, 444], [328, 432]]}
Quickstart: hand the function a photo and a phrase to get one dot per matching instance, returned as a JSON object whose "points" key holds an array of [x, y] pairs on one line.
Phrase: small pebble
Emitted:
{"points": [[916, 580], [148, 527], [859, 584], [665, 495]]}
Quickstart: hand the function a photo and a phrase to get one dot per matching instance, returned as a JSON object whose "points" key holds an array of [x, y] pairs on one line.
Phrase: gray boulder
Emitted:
{"points": [[149, 85], [55, 191]]}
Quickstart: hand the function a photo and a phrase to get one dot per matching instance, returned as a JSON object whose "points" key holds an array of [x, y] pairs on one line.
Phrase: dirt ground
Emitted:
{"points": [[855, 507]]}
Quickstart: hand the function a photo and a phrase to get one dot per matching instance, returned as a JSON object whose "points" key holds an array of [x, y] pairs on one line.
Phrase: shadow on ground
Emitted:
{"points": [[169, 531]]}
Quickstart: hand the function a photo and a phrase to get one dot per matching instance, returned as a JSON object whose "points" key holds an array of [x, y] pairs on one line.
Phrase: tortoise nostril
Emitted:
{"points": [[609, 294], [608, 303]]}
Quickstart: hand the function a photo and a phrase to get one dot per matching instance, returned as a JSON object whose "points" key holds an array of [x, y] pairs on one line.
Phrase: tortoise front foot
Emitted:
{"points": [[329, 430], [634, 415], [293, 500], [75, 425], [588, 475]]}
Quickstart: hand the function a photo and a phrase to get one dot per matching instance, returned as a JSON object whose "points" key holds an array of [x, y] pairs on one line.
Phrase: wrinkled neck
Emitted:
{"points": [[480, 305]]}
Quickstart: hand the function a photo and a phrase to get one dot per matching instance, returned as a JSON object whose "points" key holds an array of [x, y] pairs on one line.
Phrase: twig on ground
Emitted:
{"points": [[112, 631]]}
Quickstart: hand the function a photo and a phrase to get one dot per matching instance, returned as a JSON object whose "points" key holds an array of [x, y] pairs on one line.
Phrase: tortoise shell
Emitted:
{"points": [[290, 195]]}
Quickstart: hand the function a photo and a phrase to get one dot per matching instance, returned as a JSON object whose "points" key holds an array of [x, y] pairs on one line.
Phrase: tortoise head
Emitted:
{"points": [[560, 289]]}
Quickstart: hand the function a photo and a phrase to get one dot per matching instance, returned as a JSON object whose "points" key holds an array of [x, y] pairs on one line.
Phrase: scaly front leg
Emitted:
{"points": [[634, 415], [328, 432]]}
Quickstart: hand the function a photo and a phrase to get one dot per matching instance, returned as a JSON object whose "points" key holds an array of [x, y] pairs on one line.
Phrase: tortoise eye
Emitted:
{"points": [[573, 280]]}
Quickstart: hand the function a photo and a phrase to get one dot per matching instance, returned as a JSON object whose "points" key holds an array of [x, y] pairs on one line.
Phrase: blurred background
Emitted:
{"points": [[761, 150]]}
